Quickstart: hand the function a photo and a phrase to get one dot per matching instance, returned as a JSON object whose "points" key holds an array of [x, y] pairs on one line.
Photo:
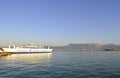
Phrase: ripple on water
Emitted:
{"points": [[61, 65]]}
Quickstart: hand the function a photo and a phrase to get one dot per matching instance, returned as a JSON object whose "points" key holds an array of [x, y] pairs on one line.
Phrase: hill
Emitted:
{"points": [[86, 47]]}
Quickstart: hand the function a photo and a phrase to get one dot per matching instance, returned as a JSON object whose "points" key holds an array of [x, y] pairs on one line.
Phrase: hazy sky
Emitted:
{"points": [[60, 22]]}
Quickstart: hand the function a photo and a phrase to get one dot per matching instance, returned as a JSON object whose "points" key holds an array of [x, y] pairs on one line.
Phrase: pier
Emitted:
{"points": [[4, 53]]}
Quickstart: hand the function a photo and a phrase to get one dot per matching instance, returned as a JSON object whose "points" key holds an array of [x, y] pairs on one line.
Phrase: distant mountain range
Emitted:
{"points": [[86, 47]]}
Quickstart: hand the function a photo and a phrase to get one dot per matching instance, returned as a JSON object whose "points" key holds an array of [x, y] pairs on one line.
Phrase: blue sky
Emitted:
{"points": [[60, 22]]}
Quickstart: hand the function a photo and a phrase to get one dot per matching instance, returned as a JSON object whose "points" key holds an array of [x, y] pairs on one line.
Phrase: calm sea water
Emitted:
{"points": [[61, 64]]}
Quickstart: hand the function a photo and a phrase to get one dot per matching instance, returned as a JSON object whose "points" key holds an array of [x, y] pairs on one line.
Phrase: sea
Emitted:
{"points": [[62, 64]]}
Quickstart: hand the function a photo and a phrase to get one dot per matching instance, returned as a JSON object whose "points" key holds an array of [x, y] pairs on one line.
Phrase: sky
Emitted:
{"points": [[59, 22]]}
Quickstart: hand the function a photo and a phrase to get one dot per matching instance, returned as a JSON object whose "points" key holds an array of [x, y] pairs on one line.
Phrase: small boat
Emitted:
{"points": [[29, 48]]}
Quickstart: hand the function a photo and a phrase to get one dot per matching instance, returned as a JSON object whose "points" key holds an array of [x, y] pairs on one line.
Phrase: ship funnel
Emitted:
{"points": [[48, 47], [9, 46], [13, 46]]}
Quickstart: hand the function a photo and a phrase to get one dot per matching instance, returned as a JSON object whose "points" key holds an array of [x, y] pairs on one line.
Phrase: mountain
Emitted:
{"points": [[86, 47]]}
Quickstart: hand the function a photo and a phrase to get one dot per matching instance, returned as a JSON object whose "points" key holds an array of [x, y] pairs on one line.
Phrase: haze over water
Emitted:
{"points": [[61, 64]]}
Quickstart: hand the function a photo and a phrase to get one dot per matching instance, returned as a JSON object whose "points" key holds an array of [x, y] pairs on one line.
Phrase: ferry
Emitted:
{"points": [[29, 48]]}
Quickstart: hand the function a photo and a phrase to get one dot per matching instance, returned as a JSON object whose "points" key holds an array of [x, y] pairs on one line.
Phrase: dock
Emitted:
{"points": [[4, 53]]}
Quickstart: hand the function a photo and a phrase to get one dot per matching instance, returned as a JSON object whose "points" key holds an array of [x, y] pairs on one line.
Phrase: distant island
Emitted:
{"points": [[88, 47]]}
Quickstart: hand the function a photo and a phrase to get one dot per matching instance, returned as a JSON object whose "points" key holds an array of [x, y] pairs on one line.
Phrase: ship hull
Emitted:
{"points": [[27, 50]]}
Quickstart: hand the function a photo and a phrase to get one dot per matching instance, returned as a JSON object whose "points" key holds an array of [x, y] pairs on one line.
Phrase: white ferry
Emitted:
{"points": [[29, 48]]}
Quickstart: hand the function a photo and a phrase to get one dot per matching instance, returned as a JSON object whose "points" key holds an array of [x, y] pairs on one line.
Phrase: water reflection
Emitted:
{"points": [[28, 58]]}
